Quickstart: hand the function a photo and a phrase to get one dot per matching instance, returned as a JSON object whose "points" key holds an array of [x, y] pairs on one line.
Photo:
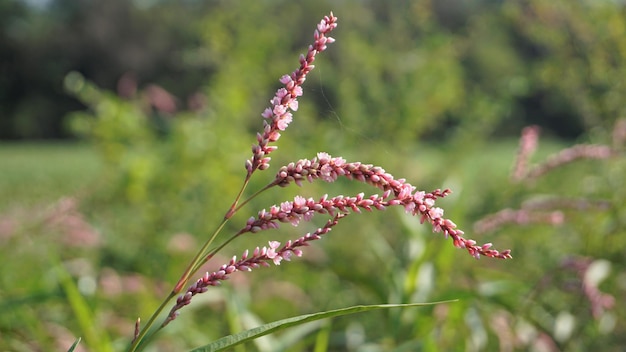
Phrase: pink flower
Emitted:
{"points": [[271, 252], [260, 257], [323, 157], [278, 116], [419, 203]]}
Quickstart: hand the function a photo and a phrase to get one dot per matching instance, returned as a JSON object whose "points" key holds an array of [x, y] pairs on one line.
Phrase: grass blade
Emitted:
{"points": [[249, 335], [74, 345]]}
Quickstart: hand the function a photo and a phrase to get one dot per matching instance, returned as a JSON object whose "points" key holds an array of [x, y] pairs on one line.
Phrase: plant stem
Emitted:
{"points": [[236, 209], [198, 260], [142, 334], [233, 208]]}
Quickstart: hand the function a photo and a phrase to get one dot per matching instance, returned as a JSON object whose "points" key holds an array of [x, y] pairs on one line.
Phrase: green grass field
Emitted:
{"points": [[32, 173]]}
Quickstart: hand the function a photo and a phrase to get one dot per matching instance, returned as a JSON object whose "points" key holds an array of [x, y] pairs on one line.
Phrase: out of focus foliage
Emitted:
{"points": [[171, 96], [486, 66]]}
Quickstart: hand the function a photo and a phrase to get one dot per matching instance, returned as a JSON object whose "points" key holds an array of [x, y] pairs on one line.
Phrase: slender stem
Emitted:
{"points": [[236, 209], [142, 334], [202, 256], [233, 208], [193, 266], [198, 260]]}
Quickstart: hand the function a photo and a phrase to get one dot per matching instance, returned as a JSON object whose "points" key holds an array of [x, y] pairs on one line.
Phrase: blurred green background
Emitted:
{"points": [[125, 126]]}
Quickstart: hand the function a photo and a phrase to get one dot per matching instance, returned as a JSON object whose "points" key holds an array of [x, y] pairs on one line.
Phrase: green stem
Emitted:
{"points": [[235, 209], [252, 197], [198, 260], [193, 266], [142, 334], [191, 269]]}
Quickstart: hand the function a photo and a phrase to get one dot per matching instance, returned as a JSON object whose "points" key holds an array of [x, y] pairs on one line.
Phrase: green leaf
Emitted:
{"points": [[248, 335], [74, 345], [97, 339]]}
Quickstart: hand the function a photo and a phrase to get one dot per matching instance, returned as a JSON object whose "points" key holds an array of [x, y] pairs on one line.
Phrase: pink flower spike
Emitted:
{"points": [[277, 117]]}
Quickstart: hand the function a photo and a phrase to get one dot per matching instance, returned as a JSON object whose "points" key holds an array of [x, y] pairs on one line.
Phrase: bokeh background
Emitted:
{"points": [[125, 126]]}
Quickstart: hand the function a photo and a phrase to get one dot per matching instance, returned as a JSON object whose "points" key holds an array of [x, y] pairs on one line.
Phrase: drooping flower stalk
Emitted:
{"points": [[260, 257], [528, 145], [568, 155], [548, 210], [329, 169], [418, 203], [599, 301], [519, 217]]}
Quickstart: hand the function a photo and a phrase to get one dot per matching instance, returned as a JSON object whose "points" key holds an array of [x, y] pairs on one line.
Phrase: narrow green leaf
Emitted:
{"points": [[97, 340], [74, 345], [248, 335], [322, 339]]}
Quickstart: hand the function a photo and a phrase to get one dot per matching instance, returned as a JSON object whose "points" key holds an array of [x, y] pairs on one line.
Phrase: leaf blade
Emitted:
{"points": [[251, 334]]}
